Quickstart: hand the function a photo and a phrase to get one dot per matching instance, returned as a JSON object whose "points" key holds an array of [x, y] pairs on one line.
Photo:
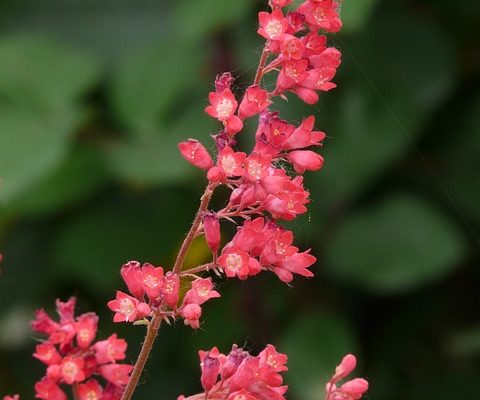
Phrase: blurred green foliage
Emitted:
{"points": [[94, 97]]}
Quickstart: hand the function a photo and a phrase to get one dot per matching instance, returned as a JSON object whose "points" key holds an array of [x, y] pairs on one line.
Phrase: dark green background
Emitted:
{"points": [[95, 95]]}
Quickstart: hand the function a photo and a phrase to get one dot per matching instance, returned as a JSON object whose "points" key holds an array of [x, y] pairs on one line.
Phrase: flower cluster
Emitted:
{"points": [[350, 390], [266, 185], [73, 358], [241, 376], [154, 292]]}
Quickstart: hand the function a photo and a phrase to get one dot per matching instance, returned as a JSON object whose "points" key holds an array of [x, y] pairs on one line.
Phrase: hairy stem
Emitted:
{"points": [[147, 345], [261, 65], [154, 325], [182, 253]]}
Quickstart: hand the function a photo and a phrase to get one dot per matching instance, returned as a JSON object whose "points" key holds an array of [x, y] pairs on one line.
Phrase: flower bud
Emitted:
{"points": [[195, 153], [211, 226], [132, 276]]}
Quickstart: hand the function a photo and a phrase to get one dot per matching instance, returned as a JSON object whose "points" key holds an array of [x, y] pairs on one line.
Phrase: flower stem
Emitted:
{"points": [[261, 64], [182, 253], [147, 345], [154, 325]]}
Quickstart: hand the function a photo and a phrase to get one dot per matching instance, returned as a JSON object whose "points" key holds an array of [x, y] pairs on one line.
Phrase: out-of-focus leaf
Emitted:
{"points": [[42, 72], [146, 83], [196, 19], [315, 344], [152, 157], [74, 179], [400, 70], [397, 245], [92, 247], [461, 160], [32, 145], [465, 343], [355, 14]]}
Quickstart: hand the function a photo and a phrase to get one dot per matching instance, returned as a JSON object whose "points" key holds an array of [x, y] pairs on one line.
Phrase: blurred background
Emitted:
{"points": [[96, 94]]}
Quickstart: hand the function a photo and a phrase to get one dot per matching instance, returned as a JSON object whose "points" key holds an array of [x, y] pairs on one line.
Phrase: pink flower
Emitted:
{"points": [[196, 154], [170, 289], [110, 350], [211, 228], [210, 366], [272, 26], [71, 370], [132, 276], [222, 105], [191, 314], [152, 279], [254, 101], [321, 14], [117, 374], [201, 291], [127, 308], [303, 160], [47, 389], [15, 396], [235, 263], [90, 390], [279, 3], [47, 353], [86, 328]]}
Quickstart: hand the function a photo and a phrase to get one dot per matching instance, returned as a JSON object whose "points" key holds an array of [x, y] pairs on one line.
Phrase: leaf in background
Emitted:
{"points": [[315, 344], [402, 70], [355, 14], [196, 19], [397, 245], [73, 180], [461, 158], [32, 145], [44, 73], [147, 83], [151, 156], [91, 247]]}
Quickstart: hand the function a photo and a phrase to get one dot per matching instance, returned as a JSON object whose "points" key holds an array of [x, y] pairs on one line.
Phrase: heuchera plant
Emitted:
{"points": [[263, 190]]}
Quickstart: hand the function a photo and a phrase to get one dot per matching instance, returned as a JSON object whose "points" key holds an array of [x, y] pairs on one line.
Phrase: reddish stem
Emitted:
{"points": [[154, 325], [147, 345]]}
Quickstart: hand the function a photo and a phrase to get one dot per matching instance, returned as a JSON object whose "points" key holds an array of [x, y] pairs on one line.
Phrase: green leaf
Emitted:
{"points": [[73, 180], [146, 84], [42, 72], [355, 14], [32, 145], [315, 345], [397, 245], [195, 19], [92, 246], [151, 157], [389, 90]]}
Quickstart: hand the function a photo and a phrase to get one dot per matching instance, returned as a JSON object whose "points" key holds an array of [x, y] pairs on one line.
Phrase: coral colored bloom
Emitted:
{"points": [[152, 279], [132, 276], [90, 390], [117, 374], [47, 353], [201, 291], [170, 289], [86, 329], [254, 101], [71, 370], [235, 263], [47, 389], [195, 153], [110, 350], [191, 314], [303, 160], [222, 105], [272, 26], [127, 308], [211, 228]]}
